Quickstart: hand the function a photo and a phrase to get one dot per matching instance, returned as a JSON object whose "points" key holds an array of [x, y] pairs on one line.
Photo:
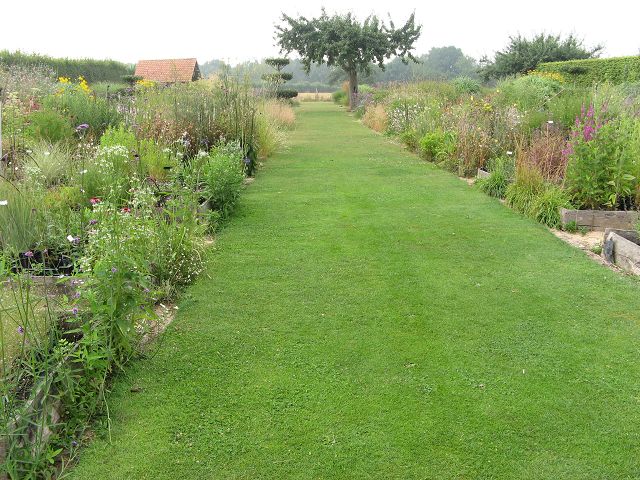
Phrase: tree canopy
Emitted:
{"points": [[522, 55], [341, 40]]}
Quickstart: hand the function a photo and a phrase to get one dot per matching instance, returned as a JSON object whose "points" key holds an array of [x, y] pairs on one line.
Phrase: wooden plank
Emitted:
{"points": [[623, 252], [601, 219]]}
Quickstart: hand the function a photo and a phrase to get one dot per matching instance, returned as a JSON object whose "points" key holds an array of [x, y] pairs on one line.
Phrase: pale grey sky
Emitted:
{"points": [[129, 30]]}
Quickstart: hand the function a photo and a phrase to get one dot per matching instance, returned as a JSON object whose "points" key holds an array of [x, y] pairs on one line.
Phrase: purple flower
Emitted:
{"points": [[93, 221], [114, 269], [246, 160], [74, 310], [28, 254], [81, 127], [74, 443], [20, 329], [76, 295]]}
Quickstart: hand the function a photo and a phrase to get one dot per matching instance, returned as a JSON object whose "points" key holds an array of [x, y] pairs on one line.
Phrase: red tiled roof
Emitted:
{"points": [[168, 71]]}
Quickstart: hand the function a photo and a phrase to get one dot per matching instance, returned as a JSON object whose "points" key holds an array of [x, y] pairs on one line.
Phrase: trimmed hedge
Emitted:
{"points": [[92, 70], [596, 70]]}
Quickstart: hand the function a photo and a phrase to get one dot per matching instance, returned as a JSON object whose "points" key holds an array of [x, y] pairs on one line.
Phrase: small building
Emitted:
{"points": [[177, 70]]}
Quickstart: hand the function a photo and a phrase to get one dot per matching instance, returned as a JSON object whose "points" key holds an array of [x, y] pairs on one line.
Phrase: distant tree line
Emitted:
{"points": [[92, 70], [440, 63], [519, 56]]}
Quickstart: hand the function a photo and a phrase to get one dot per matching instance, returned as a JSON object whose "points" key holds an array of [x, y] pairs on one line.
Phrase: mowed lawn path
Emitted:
{"points": [[366, 315]]}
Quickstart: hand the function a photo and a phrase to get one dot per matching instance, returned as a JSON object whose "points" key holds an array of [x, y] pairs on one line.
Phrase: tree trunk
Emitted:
{"points": [[353, 89]]}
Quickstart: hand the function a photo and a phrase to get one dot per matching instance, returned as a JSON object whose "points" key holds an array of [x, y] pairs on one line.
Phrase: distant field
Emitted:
{"points": [[314, 97]]}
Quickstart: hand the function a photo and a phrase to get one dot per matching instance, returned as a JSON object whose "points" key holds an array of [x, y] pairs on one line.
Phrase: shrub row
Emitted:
{"points": [[597, 70], [92, 70]]}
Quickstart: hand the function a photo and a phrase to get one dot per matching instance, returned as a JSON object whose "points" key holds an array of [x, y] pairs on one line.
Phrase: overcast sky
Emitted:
{"points": [[240, 30]]}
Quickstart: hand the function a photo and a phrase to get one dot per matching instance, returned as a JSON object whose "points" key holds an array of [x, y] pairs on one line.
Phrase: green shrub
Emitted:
{"points": [[467, 85], [546, 206], [286, 93], [571, 227], [83, 108], [50, 126], [597, 70], [155, 161], [176, 256], [340, 97], [566, 107], [529, 92], [102, 89], [437, 145], [501, 172], [118, 135], [109, 174], [521, 194], [410, 139], [222, 177]]}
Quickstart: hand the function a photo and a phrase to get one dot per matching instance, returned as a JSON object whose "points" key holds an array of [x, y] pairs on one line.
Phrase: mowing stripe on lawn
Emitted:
{"points": [[366, 315]]}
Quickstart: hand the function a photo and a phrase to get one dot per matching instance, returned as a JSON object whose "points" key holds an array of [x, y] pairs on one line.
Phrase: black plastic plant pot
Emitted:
{"points": [[64, 265]]}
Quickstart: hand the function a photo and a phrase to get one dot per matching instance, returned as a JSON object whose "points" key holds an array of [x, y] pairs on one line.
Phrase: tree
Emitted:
{"points": [[279, 78], [342, 41], [523, 55], [447, 63]]}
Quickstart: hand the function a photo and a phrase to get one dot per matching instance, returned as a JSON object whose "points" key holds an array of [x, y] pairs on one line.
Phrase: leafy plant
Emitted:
{"points": [[528, 185], [501, 173], [81, 108], [603, 166], [437, 145], [220, 175], [546, 206], [49, 126], [467, 85], [523, 55], [571, 226], [340, 97]]}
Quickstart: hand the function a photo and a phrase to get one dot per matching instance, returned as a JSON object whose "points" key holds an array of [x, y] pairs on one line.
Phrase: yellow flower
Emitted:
{"points": [[145, 83], [83, 86], [558, 77]]}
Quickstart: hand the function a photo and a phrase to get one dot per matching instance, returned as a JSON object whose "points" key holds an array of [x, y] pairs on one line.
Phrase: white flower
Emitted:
{"points": [[71, 238], [4, 203], [509, 153], [46, 154], [83, 172], [550, 122]]}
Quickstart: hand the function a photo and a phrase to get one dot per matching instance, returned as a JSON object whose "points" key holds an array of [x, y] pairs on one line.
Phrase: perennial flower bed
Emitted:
{"points": [[547, 143], [101, 218]]}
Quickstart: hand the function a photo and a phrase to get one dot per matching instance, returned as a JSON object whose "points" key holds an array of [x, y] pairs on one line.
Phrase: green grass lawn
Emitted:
{"points": [[366, 315]]}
